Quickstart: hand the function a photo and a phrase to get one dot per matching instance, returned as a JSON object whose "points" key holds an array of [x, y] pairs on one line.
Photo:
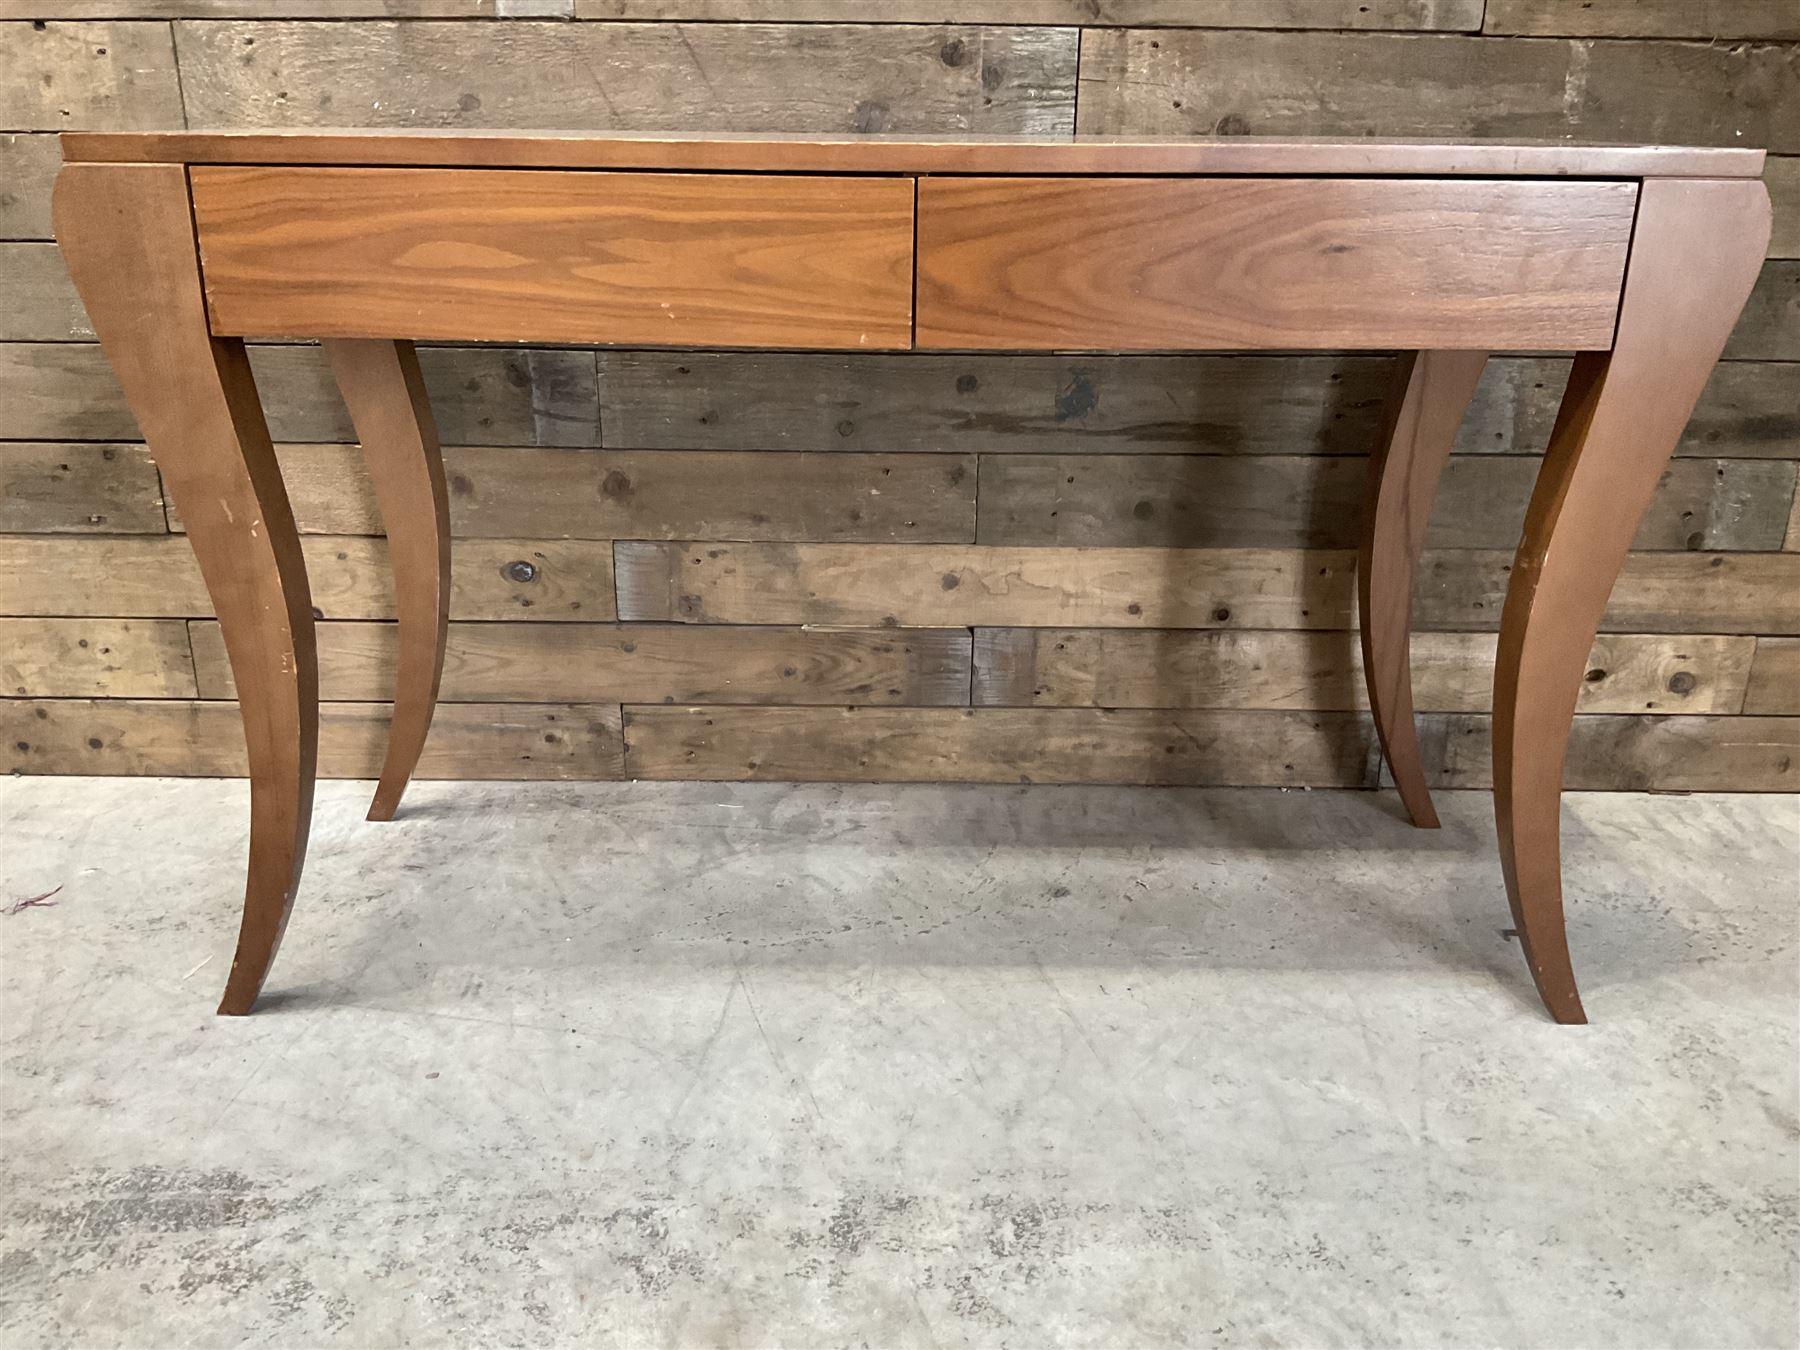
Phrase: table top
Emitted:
{"points": [[772, 153]]}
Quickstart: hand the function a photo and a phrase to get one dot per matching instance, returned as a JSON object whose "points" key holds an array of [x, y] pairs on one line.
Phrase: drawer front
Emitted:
{"points": [[1149, 264], [547, 256]]}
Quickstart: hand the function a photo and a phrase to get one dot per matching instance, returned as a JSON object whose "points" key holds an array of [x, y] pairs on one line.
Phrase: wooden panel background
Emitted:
{"points": [[814, 565]]}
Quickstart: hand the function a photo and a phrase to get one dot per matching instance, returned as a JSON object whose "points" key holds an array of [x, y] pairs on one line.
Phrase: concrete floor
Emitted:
{"points": [[698, 1065]]}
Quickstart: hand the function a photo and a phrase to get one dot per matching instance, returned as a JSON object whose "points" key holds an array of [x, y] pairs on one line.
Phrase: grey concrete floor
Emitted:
{"points": [[696, 1065]]}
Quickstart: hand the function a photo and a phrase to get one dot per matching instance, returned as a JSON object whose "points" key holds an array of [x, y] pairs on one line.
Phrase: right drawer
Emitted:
{"points": [[1148, 264]]}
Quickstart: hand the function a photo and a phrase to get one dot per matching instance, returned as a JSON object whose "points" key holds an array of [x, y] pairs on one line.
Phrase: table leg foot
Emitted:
{"points": [[1695, 254], [127, 235], [385, 393], [1432, 392]]}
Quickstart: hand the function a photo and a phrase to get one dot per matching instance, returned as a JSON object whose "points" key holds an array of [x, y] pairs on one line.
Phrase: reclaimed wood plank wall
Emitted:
{"points": [[715, 565]]}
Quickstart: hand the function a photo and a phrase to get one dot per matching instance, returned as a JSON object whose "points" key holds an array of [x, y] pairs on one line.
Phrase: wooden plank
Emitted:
{"points": [[96, 658], [853, 153], [507, 255], [1632, 754], [1422, 15], [88, 76], [93, 488], [997, 745], [1098, 404], [28, 165], [539, 579], [1775, 678], [630, 77], [1217, 501], [1156, 264], [481, 740], [899, 585], [1782, 174], [479, 395], [1761, 20], [41, 304], [1770, 327], [506, 493], [290, 9], [1194, 82], [1452, 672], [638, 663], [895, 585], [928, 401]]}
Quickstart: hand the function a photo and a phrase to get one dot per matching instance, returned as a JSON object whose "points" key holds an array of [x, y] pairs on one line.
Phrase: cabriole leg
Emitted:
{"points": [[1432, 392], [382, 387], [1695, 254], [126, 233]]}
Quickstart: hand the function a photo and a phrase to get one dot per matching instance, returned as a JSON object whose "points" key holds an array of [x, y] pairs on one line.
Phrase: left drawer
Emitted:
{"points": [[519, 255]]}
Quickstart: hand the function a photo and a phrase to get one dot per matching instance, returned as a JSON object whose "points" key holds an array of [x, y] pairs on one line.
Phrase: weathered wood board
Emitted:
{"points": [[59, 487], [637, 663], [1775, 678], [1198, 82], [174, 736], [95, 658], [630, 77], [28, 165], [544, 580], [901, 585], [1452, 672], [497, 492], [88, 77]]}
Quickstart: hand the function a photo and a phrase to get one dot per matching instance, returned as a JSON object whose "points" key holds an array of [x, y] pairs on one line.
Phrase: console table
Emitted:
{"points": [[1636, 258]]}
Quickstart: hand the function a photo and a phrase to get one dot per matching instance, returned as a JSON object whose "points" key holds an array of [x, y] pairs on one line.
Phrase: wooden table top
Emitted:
{"points": [[770, 153]]}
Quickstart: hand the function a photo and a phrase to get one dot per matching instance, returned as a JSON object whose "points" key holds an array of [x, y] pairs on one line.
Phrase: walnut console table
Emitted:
{"points": [[1637, 258]]}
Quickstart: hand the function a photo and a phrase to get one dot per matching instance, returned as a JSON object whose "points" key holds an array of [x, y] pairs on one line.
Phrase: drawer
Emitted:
{"points": [[548, 256], [1148, 264]]}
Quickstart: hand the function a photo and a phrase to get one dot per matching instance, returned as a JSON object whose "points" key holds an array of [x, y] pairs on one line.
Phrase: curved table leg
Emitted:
{"points": [[128, 238], [1432, 392], [382, 387], [1695, 254]]}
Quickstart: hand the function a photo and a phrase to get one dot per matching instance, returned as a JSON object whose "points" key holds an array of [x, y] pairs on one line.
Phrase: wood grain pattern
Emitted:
{"points": [[1322, 672], [72, 76], [505, 493], [1399, 14], [481, 395], [172, 736], [996, 745], [545, 580], [1103, 404], [1137, 265], [511, 256], [1045, 152], [1009, 745], [28, 165], [1194, 83], [58, 488], [1775, 678], [640, 663], [1782, 174], [1769, 329], [96, 658], [877, 585], [1763, 20], [1634, 754], [629, 77], [1317, 502], [41, 304]]}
